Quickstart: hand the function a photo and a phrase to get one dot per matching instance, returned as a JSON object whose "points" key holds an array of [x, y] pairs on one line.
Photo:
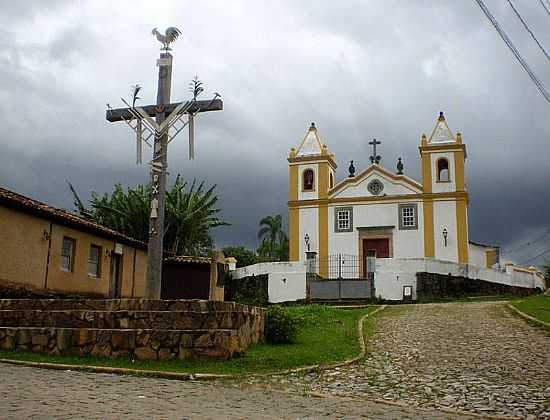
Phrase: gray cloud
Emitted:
{"points": [[360, 70]]}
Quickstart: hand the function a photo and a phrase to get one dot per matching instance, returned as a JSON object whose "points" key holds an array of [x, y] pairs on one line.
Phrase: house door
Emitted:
{"points": [[377, 248], [116, 276]]}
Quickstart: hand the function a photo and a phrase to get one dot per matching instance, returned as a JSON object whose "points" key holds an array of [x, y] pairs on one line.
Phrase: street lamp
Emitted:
{"points": [[445, 233]]}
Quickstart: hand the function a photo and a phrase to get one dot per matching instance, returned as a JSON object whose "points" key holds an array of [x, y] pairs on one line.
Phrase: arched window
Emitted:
{"points": [[308, 180], [443, 170], [331, 180]]}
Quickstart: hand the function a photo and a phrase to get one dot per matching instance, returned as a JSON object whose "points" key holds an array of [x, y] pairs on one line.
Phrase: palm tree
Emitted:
{"points": [[272, 235], [189, 217]]}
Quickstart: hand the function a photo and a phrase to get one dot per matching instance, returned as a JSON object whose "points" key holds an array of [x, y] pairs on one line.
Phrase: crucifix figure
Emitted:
{"points": [[374, 157], [155, 122]]}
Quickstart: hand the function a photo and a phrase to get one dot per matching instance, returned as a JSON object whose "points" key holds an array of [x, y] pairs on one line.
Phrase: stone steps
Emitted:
{"points": [[121, 319], [134, 328], [140, 343]]}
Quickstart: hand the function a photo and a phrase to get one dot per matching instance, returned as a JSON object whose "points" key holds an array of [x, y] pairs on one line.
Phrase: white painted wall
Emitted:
{"points": [[406, 243], [477, 255], [359, 188], [308, 195], [445, 218], [286, 280], [309, 223], [393, 273], [443, 186]]}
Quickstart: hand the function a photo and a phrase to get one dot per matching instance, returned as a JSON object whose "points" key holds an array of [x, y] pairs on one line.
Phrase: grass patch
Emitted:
{"points": [[326, 335], [537, 306]]}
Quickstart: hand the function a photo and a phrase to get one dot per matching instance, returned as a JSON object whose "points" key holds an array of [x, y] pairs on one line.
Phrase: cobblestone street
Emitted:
{"points": [[467, 356], [49, 394]]}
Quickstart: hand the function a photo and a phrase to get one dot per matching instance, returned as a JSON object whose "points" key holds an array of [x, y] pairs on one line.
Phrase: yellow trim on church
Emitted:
{"points": [[462, 231], [293, 215]]}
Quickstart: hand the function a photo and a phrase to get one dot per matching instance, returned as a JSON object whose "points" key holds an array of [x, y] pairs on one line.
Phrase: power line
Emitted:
{"points": [[527, 29], [528, 243], [547, 8], [512, 48], [535, 257]]}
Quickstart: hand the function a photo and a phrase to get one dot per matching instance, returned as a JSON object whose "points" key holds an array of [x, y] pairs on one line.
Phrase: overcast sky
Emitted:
{"points": [[359, 69]]}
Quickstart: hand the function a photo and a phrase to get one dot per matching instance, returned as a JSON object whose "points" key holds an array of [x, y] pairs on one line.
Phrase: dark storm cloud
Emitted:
{"points": [[359, 70]]}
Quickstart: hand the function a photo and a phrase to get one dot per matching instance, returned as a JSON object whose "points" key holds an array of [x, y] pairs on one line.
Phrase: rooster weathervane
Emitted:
{"points": [[170, 35]]}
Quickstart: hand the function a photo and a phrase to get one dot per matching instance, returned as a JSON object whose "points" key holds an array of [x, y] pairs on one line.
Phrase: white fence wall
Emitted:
{"points": [[286, 280]]}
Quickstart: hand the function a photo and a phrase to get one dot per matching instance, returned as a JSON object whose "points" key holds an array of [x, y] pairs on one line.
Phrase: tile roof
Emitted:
{"points": [[188, 260], [28, 205]]}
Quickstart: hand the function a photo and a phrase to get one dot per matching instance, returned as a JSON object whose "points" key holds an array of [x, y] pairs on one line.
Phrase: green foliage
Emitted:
{"points": [[190, 214], [244, 256], [537, 306], [281, 326], [274, 245]]}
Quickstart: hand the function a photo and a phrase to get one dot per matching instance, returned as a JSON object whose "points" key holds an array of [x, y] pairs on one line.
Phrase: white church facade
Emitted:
{"points": [[379, 212]]}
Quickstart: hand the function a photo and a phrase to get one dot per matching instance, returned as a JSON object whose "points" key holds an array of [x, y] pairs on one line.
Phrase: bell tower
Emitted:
{"points": [[311, 174], [445, 196]]}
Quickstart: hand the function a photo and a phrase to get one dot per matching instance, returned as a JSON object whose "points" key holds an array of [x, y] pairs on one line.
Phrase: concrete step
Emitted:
{"points": [[122, 319], [147, 344]]}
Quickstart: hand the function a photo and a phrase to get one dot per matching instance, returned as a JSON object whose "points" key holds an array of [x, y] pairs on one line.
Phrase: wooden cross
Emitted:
{"points": [[374, 157], [165, 116]]}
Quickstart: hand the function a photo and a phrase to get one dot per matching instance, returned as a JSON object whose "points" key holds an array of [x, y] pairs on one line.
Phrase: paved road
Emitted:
{"points": [[468, 356], [47, 394]]}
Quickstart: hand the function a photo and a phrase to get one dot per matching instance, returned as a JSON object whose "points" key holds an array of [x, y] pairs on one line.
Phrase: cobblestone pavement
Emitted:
{"points": [[476, 357], [48, 394]]}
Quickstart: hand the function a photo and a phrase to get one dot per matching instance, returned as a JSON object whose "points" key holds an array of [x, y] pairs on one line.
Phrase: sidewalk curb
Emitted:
{"points": [[183, 376], [529, 318]]}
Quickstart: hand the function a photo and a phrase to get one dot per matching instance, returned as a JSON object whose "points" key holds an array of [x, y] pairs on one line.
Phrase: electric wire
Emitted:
{"points": [[547, 8], [526, 244], [514, 50], [535, 257], [524, 23]]}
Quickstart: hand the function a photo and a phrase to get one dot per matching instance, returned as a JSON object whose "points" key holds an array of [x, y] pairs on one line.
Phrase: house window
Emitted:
{"points": [[443, 170], [94, 261], [343, 219], [408, 216], [308, 180], [67, 254]]}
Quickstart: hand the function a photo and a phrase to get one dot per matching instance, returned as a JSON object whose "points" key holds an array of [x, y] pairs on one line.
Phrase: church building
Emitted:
{"points": [[380, 212]]}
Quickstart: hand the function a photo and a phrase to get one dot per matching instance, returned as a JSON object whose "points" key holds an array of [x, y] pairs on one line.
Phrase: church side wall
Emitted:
{"points": [[445, 218], [309, 225]]}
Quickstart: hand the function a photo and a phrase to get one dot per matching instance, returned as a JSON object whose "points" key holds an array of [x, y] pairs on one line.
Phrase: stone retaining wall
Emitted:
{"points": [[141, 329]]}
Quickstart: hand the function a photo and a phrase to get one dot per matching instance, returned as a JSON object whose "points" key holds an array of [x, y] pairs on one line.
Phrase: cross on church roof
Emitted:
{"points": [[374, 158]]}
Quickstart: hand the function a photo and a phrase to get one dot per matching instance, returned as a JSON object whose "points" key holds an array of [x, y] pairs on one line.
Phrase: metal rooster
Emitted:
{"points": [[170, 35]]}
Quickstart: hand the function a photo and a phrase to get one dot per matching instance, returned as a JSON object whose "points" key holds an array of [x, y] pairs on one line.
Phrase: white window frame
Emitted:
{"points": [[96, 272], [343, 224], [409, 221], [70, 257]]}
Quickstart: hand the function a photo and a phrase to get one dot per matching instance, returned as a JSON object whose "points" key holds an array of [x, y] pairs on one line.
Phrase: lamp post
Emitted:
{"points": [[445, 234]]}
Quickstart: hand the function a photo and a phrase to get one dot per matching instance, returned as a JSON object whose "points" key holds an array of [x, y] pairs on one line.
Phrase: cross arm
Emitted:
{"points": [[120, 114]]}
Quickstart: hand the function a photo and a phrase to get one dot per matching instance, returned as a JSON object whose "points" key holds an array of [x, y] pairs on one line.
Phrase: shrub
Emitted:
{"points": [[281, 327]]}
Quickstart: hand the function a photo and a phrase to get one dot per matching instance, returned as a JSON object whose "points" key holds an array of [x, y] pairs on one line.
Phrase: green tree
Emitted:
{"points": [[190, 215], [243, 255], [274, 241]]}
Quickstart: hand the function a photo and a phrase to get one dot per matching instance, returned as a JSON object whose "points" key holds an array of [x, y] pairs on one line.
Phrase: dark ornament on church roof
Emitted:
{"points": [[375, 158], [399, 167], [351, 170], [375, 187]]}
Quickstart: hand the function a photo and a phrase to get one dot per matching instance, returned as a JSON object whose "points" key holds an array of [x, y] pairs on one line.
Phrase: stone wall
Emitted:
{"points": [[134, 328]]}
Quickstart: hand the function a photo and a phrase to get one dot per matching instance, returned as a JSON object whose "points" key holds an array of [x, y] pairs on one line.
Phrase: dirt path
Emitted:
{"points": [[467, 356]]}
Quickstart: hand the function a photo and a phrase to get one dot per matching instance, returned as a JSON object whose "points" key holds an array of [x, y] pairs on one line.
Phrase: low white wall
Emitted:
{"points": [[391, 274], [286, 280]]}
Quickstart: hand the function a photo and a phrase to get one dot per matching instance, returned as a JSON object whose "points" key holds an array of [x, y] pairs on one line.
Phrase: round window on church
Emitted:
{"points": [[375, 187]]}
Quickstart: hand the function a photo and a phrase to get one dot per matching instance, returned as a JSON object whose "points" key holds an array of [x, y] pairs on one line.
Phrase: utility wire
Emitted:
{"points": [[512, 48], [547, 8], [535, 257], [528, 243], [527, 29]]}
